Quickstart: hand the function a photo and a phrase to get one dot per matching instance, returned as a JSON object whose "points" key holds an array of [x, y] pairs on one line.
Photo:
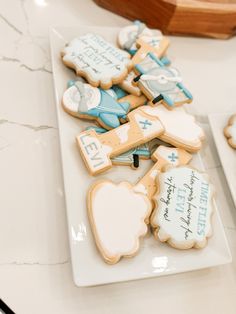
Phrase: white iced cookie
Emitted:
{"points": [[230, 131], [101, 63], [117, 229], [184, 208], [179, 128]]}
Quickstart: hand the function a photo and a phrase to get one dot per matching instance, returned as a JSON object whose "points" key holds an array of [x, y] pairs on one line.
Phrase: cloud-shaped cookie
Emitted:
{"points": [[118, 218], [181, 129]]}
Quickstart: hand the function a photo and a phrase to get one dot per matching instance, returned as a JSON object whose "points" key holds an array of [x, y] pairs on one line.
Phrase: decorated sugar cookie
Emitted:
{"points": [[145, 123], [117, 229], [132, 156], [119, 213], [138, 40], [184, 208], [88, 102], [128, 35], [160, 83], [101, 63], [230, 131]]}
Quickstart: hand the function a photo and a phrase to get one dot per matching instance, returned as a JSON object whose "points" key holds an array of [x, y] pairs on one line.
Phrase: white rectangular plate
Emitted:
{"points": [[154, 258], [226, 153]]}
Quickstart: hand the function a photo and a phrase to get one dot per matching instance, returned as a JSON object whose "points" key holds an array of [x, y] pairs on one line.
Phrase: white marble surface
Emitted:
{"points": [[35, 271]]}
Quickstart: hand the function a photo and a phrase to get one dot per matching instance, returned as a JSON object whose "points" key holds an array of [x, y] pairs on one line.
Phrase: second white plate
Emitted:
{"points": [[226, 153]]}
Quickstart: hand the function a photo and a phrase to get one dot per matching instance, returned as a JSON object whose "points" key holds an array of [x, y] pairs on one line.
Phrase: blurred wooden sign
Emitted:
{"points": [[210, 18]]}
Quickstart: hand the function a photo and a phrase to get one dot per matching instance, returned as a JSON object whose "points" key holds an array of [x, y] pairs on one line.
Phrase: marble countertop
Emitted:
{"points": [[35, 269]]}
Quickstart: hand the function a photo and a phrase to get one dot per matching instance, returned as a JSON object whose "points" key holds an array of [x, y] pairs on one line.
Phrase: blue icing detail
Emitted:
{"points": [[185, 91], [96, 129], [110, 120], [70, 83], [145, 123], [119, 91], [173, 157], [139, 68], [168, 100], [133, 51], [109, 110], [165, 61], [125, 106], [153, 42], [154, 58], [108, 104]]}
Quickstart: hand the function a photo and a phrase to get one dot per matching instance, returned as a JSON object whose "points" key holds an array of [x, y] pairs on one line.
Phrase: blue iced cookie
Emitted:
{"points": [[87, 102], [160, 83]]}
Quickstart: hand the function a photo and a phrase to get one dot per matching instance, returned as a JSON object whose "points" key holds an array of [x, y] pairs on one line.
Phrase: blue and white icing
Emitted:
{"points": [[130, 34], [84, 99], [96, 59], [161, 82]]}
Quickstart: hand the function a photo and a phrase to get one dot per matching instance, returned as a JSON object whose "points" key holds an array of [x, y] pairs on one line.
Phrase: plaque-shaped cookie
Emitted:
{"points": [[100, 62], [182, 216]]}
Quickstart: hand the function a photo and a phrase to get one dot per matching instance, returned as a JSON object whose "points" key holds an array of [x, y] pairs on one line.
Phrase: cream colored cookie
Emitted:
{"points": [[230, 131], [182, 217], [95, 59]]}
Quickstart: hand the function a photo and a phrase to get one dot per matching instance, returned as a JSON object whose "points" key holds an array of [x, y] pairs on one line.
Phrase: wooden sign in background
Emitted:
{"points": [[210, 18]]}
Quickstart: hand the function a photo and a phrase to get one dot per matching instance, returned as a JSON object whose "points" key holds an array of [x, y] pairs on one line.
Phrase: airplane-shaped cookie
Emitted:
{"points": [[160, 83], [108, 107], [85, 101]]}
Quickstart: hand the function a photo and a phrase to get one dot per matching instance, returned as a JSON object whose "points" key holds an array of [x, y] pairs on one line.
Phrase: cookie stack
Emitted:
{"points": [[134, 96]]}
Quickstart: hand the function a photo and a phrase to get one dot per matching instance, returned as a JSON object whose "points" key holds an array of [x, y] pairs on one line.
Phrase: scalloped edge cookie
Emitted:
{"points": [[182, 216], [230, 131]]}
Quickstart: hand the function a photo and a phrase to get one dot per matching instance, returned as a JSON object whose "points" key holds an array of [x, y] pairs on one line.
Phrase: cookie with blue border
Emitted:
{"points": [[160, 83]]}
